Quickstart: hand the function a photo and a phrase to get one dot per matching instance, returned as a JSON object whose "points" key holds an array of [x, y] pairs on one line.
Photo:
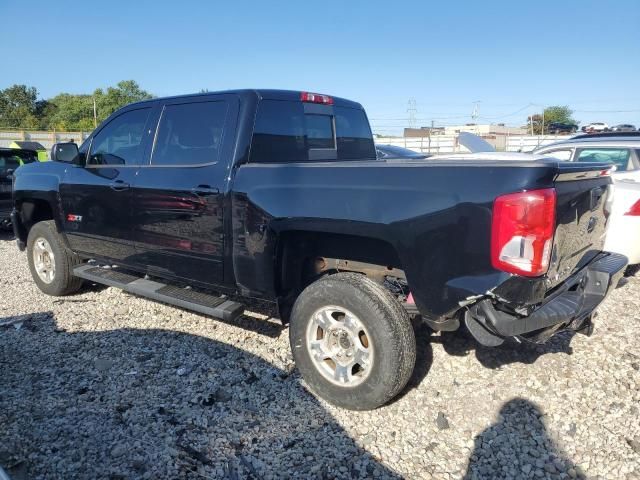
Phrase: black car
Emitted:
{"points": [[392, 152], [560, 127], [10, 160]]}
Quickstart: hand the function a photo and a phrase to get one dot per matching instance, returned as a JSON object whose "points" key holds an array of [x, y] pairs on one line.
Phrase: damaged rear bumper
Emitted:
{"points": [[569, 308]]}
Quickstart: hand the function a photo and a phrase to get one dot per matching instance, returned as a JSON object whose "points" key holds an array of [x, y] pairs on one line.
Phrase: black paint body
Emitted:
{"points": [[222, 225]]}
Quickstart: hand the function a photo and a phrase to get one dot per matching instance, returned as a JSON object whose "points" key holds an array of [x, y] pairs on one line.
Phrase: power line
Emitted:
{"points": [[607, 111]]}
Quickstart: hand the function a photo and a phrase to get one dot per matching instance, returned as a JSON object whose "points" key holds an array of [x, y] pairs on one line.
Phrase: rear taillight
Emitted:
{"points": [[522, 232], [316, 98], [634, 211]]}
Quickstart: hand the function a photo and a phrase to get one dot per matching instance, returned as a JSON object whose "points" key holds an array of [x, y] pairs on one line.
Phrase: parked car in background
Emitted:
{"points": [[623, 151], [619, 149], [560, 127], [624, 127], [37, 147], [623, 235], [596, 127], [392, 152], [10, 160]]}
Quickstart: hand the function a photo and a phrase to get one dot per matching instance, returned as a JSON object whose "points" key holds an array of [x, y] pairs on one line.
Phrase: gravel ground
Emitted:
{"points": [[107, 385]]}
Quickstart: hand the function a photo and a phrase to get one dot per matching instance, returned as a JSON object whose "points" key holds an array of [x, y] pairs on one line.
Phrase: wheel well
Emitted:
{"points": [[305, 256], [32, 212]]}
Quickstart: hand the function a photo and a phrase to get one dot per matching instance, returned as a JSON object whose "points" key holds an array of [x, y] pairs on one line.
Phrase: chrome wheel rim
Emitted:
{"points": [[44, 260], [340, 346]]}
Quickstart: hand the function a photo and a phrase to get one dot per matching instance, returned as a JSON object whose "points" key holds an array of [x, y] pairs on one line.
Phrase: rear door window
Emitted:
{"points": [[284, 132], [616, 156], [190, 134]]}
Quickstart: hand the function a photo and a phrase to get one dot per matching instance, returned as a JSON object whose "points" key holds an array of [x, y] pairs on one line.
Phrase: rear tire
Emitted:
{"points": [[50, 262], [352, 341]]}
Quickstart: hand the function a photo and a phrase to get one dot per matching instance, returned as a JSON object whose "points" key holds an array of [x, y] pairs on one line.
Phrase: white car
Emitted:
{"points": [[596, 127], [619, 149], [623, 235]]}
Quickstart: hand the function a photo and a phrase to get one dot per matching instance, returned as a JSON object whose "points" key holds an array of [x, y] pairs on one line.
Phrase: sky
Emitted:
{"points": [[511, 57]]}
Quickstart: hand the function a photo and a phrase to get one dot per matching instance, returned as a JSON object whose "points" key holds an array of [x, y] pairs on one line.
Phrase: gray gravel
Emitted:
{"points": [[107, 385]]}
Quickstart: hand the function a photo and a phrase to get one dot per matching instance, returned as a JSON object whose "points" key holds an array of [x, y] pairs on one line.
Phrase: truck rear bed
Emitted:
{"points": [[435, 214]]}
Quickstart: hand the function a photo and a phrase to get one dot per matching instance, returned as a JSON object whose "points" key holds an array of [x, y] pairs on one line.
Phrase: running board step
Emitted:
{"points": [[219, 307]]}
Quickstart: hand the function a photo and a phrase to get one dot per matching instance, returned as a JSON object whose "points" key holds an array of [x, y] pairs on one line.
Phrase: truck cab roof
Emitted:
{"points": [[260, 94]]}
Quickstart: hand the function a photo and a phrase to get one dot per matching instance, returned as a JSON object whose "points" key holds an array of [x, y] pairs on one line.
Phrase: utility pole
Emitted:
{"points": [[95, 113], [531, 123], [411, 110], [431, 133]]}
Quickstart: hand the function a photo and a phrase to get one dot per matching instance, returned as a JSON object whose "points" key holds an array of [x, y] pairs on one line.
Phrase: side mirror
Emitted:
{"points": [[64, 152]]}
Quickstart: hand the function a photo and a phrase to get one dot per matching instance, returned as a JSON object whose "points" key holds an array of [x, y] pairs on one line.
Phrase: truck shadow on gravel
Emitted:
{"points": [[424, 360], [521, 431], [462, 344], [133, 403]]}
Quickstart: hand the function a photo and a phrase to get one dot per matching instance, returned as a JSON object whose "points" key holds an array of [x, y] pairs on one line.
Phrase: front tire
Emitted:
{"points": [[50, 262], [352, 341]]}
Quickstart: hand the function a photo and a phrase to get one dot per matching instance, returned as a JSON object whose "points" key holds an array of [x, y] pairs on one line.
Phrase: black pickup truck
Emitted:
{"points": [[279, 196]]}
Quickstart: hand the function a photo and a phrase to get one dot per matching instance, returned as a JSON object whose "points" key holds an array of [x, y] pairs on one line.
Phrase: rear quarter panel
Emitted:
{"points": [[436, 215]]}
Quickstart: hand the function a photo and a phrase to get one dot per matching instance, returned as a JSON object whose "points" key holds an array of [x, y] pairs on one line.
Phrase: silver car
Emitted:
{"points": [[620, 149]]}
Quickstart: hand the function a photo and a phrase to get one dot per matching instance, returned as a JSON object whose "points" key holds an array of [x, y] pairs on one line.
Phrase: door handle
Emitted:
{"points": [[119, 185], [204, 190]]}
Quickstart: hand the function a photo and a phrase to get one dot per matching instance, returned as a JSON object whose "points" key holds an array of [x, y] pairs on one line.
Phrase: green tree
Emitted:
{"points": [[556, 113], [19, 107], [113, 98], [68, 112]]}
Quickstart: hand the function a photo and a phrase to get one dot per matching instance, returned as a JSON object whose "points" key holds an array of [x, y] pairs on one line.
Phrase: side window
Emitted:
{"points": [[617, 156], [8, 162], [26, 157], [563, 155], [120, 141], [279, 132], [636, 164], [190, 134]]}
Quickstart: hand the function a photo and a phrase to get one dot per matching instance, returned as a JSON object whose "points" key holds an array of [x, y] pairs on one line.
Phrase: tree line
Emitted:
{"points": [[21, 108], [554, 114]]}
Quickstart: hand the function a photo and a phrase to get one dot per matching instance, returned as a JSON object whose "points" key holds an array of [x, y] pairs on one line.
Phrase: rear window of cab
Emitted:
{"points": [[286, 131]]}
